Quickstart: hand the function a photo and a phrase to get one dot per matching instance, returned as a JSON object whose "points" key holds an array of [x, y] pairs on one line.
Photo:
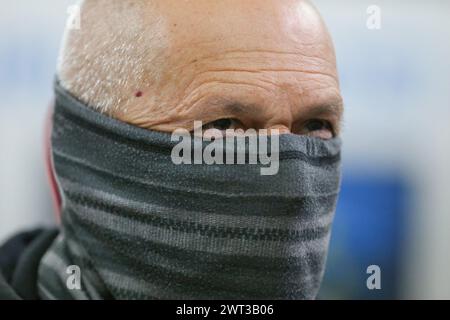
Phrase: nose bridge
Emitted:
{"points": [[281, 128], [281, 117]]}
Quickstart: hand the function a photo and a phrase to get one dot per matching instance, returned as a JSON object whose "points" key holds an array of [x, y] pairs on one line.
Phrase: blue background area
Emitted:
{"points": [[368, 230]]}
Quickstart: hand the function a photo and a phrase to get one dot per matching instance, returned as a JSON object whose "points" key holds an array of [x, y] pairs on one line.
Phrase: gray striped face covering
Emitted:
{"points": [[140, 227]]}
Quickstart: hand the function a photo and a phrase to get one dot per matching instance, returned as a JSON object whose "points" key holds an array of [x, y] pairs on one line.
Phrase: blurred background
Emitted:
{"points": [[394, 210]]}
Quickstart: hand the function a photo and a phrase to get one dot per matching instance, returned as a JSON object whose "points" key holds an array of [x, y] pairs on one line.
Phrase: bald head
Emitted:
{"points": [[163, 64]]}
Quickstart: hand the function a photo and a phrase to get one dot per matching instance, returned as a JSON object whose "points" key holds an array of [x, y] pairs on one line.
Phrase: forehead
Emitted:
{"points": [[251, 86], [247, 51], [256, 76], [202, 35], [250, 35], [206, 26]]}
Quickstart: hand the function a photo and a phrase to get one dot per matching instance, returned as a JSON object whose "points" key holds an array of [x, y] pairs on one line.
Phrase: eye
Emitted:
{"points": [[223, 124], [319, 128]]}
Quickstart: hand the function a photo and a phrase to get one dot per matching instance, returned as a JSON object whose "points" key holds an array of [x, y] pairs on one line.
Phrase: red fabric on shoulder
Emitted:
{"points": [[56, 196]]}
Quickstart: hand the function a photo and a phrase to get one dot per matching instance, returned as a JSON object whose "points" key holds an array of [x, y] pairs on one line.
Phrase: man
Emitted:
{"points": [[136, 226]]}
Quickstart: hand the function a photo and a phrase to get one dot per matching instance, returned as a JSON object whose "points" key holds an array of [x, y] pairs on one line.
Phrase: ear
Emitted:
{"points": [[53, 183]]}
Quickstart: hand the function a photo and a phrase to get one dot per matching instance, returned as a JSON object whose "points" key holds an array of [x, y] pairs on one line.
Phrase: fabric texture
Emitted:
{"points": [[20, 257], [141, 227]]}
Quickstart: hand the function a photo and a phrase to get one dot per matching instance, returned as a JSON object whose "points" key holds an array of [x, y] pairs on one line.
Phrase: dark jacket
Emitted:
{"points": [[19, 262]]}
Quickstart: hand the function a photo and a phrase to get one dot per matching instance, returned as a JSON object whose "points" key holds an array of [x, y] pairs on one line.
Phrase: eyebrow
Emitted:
{"points": [[333, 108], [238, 108], [232, 106]]}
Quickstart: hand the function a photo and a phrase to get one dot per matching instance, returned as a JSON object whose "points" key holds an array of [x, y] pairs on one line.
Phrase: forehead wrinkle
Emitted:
{"points": [[197, 72], [258, 57], [191, 96], [227, 106]]}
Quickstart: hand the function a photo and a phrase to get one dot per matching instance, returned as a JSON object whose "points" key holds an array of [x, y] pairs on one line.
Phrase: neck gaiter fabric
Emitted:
{"points": [[138, 226]]}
